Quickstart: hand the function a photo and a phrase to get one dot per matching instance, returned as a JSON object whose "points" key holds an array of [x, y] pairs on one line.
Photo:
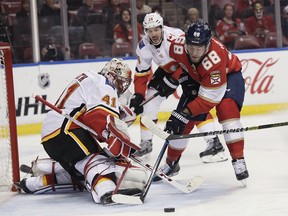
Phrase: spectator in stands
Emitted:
{"points": [[51, 10], [74, 4], [123, 30], [142, 8], [228, 28], [22, 34], [85, 14], [259, 24], [243, 8], [158, 10], [52, 52], [110, 17], [23, 23], [215, 14], [192, 16], [284, 22]]}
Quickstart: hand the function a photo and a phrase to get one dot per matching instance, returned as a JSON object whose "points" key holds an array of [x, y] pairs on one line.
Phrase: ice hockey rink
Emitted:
{"points": [[221, 194]]}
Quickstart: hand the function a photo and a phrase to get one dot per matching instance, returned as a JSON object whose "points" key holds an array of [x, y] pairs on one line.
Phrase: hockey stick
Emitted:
{"points": [[189, 187], [126, 96], [166, 136], [42, 100], [124, 199], [150, 98], [122, 176], [147, 100]]}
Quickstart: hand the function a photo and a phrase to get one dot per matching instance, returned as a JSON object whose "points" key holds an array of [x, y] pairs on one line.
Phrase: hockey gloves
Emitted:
{"points": [[135, 103], [177, 122], [165, 86], [189, 86]]}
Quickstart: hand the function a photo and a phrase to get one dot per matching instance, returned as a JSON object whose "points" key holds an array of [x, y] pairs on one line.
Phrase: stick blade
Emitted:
{"points": [[194, 183], [127, 199], [147, 121]]}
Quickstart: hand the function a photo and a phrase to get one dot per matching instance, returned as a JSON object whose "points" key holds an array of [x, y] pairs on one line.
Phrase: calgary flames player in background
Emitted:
{"points": [[208, 62], [154, 46]]}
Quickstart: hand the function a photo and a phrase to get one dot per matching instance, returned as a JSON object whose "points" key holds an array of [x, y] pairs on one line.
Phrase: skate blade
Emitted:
{"points": [[244, 182]]}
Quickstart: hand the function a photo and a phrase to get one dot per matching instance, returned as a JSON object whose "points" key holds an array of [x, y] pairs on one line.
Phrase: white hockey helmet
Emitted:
{"points": [[118, 74], [152, 20]]}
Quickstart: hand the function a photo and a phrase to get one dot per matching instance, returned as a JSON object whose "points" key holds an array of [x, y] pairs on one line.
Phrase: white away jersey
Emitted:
{"points": [[147, 51], [86, 91]]}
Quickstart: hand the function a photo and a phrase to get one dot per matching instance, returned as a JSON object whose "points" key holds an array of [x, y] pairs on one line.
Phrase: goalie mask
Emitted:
{"points": [[118, 74]]}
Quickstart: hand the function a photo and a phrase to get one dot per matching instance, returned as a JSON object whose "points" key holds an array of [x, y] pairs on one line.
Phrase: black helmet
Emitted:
{"points": [[198, 33]]}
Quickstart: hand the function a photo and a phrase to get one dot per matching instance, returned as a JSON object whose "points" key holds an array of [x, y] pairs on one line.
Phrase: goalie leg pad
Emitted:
{"points": [[46, 183], [134, 178], [95, 164], [45, 166], [98, 171]]}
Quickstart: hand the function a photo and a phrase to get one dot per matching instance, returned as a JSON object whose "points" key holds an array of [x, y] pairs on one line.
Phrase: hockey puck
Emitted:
{"points": [[169, 209]]}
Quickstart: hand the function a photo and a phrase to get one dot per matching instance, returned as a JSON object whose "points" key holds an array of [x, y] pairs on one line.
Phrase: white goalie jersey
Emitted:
{"points": [[88, 91]]}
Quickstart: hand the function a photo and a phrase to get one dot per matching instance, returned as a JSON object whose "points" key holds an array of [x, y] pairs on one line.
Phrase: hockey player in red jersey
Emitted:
{"points": [[75, 154], [154, 46], [208, 62]]}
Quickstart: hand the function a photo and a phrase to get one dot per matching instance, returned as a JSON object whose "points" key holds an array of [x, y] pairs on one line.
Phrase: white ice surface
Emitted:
{"points": [[266, 153]]}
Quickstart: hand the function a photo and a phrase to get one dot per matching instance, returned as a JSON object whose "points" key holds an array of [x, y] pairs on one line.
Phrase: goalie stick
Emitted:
{"points": [[166, 136]]}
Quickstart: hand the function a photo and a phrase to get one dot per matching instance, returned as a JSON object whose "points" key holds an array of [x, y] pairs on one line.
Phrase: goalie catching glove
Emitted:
{"points": [[118, 141], [177, 122]]}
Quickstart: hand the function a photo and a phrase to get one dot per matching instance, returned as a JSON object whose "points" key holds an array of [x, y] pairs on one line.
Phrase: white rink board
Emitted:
{"points": [[265, 73]]}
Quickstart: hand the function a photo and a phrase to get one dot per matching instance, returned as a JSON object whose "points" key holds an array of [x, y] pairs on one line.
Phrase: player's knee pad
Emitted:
{"points": [[232, 124], [179, 144], [94, 165]]}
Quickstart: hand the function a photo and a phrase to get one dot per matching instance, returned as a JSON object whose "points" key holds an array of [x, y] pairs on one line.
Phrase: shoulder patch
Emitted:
{"points": [[141, 44]]}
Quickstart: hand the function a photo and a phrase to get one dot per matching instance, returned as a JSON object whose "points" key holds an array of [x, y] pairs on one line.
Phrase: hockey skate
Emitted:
{"points": [[170, 168], [214, 152], [146, 147], [22, 186], [240, 169]]}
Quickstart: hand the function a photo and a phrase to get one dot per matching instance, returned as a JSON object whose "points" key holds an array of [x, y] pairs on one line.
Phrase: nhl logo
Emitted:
{"points": [[43, 80]]}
